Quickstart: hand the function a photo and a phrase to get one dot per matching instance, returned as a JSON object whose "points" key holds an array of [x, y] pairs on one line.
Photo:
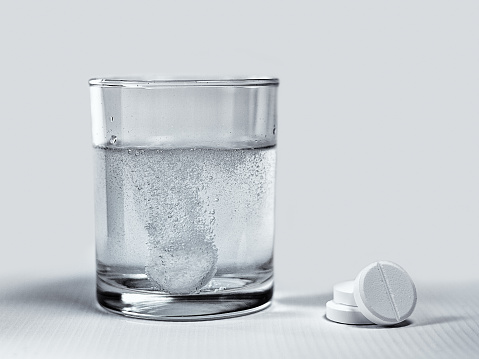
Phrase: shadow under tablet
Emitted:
{"points": [[404, 323]]}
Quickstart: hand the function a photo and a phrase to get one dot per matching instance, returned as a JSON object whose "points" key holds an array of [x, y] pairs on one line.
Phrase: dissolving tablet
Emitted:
{"points": [[345, 314], [384, 293], [343, 293]]}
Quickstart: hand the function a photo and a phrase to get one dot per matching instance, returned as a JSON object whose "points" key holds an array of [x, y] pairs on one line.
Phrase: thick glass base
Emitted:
{"points": [[194, 307]]}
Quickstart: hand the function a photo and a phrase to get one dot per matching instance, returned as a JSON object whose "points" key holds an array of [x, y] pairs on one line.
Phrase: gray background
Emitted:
{"points": [[378, 125]]}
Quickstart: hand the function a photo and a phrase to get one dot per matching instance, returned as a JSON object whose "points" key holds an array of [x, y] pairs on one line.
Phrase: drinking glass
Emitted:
{"points": [[184, 195]]}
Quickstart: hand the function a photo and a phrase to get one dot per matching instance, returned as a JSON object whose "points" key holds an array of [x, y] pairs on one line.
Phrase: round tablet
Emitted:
{"points": [[343, 293], [385, 293], [345, 314]]}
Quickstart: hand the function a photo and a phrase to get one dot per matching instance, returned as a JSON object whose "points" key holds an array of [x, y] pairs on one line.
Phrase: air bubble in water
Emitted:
{"points": [[113, 139], [174, 206]]}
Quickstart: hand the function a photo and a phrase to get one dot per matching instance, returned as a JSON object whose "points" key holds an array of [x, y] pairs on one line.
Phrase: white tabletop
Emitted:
{"points": [[57, 317]]}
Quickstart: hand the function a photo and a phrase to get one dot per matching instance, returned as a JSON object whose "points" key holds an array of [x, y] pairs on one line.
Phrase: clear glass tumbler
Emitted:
{"points": [[184, 196]]}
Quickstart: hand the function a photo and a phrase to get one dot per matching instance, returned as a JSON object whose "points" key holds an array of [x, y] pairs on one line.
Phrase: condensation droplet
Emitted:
{"points": [[274, 130], [217, 199], [111, 118], [113, 139]]}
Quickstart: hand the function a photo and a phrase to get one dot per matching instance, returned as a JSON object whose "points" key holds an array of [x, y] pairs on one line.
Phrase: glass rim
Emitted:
{"points": [[153, 82]]}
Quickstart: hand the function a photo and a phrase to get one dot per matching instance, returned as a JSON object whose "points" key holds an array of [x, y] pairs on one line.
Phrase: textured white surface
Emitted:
{"points": [[58, 318], [385, 293]]}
